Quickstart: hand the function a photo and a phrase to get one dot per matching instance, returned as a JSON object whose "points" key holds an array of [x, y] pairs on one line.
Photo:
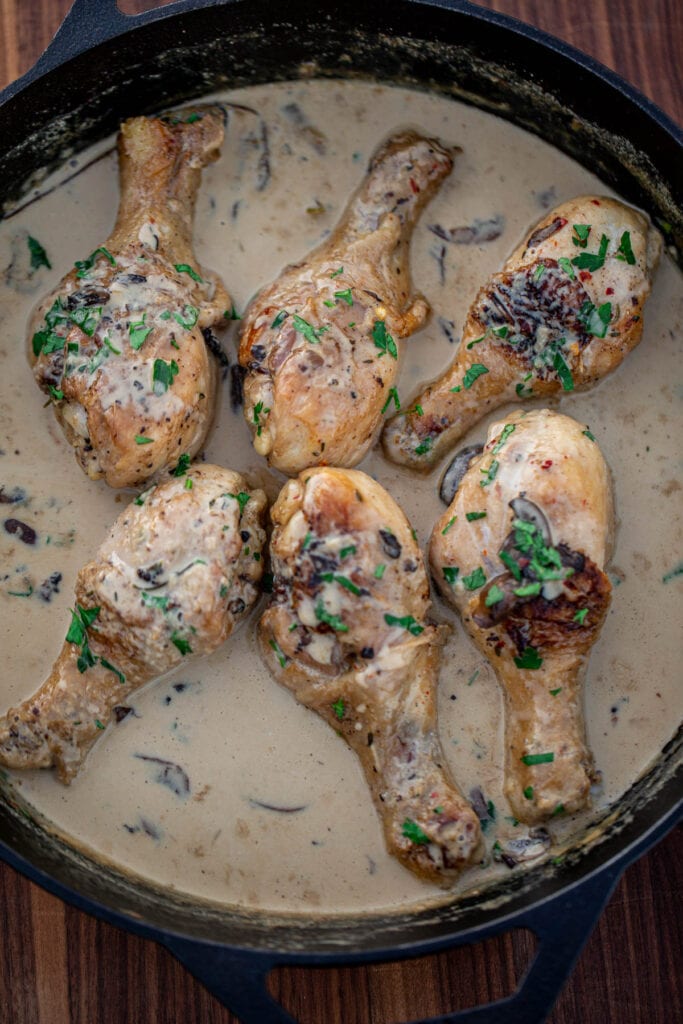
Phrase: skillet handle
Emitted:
{"points": [[238, 979], [91, 22]]}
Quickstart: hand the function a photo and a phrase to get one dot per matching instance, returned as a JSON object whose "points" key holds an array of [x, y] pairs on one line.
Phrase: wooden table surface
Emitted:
{"points": [[59, 966]]}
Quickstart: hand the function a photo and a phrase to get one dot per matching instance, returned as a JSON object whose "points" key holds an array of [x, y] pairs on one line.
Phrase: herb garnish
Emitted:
{"points": [[322, 615], [563, 372], [392, 396], [406, 621], [580, 616], [476, 579], [38, 255], [538, 758], [411, 830], [491, 473], [346, 296], [85, 266], [344, 581], [279, 319], [81, 621], [379, 571], [494, 596], [383, 340], [336, 273], [592, 261], [580, 236], [310, 333], [424, 446], [141, 439], [554, 693], [450, 573], [471, 516], [595, 320], [185, 268], [504, 435], [475, 370], [163, 374], [258, 409], [182, 466], [188, 318], [587, 433], [624, 252], [181, 643], [448, 525], [339, 707], [529, 659], [345, 552], [231, 314], [138, 332], [529, 792], [567, 267], [281, 656]]}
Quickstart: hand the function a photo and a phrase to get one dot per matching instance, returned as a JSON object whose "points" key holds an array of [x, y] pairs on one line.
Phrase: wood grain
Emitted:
{"points": [[59, 966]]}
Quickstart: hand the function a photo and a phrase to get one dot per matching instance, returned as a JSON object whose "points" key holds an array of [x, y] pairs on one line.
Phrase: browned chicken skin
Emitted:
{"points": [[346, 633], [320, 344], [118, 344], [565, 311], [525, 571], [172, 579]]}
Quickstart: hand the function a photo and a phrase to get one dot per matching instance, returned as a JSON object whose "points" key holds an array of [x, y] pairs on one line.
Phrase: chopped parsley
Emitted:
{"points": [[84, 267], [258, 410], [529, 792], [339, 707], [424, 446], [494, 596], [345, 552], [182, 466], [38, 255], [279, 319], [322, 615], [181, 643], [163, 374], [504, 435], [529, 659], [563, 372], [624, 252], [567, 267], [554, 693], [539, 272], [379, 571], [188, 318], [345, 296], [137, 332], [587, 433], [450, 573], [155, 600], [580, 236], [672, 573], [81, 621], [528, 590], [343, 581], [511, 564], [336, 273], [98, 724], [392, 396], [592, 261], [406, 622], [185, 268], [56, 393], [471, 516], [383, 340], [580, 616], [490, 474], [475, 370], [521, 391], [112, 668], [448, 525], [141, 439], [310, 333], [530, 759], [231, 314], [281, 656], [475, 579], [596, 320], [411, 830]]}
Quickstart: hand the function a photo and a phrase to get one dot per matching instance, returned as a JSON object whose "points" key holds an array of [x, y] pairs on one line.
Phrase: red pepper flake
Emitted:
{"points": [[414, 185], [547, 464], [595, 202], [609, 291], [585, 275]]}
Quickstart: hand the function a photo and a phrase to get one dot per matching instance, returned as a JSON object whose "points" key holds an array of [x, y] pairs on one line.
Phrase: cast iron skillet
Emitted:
{"points": [[104, 66]]}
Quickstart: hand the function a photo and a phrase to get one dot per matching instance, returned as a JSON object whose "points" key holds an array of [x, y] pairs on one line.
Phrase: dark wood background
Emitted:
{"points": [[59, 966]]}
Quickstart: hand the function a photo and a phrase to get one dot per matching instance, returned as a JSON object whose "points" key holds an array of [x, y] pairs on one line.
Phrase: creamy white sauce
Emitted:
{"points": [[239, 737]]}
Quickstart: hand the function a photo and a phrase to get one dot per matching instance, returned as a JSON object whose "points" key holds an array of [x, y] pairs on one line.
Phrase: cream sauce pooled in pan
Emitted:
{"points": [[278, 815]]}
